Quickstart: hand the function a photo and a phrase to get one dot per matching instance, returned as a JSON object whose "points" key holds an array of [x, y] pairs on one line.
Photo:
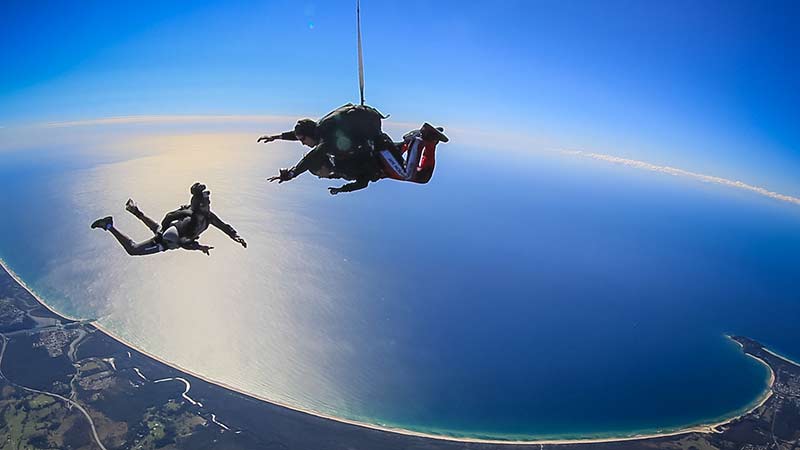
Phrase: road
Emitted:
{"points": [[68, 401]]}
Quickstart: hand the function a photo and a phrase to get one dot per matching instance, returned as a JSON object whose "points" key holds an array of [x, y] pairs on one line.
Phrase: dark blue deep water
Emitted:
{"points": [[515, 296]]}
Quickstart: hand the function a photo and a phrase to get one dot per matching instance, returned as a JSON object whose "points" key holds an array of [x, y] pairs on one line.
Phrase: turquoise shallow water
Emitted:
{"points": [[515, 296]]}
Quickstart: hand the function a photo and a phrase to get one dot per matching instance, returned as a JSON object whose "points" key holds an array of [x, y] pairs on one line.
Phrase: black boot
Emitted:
{"points": [[132, 208], [104, 223], [429, 133]]}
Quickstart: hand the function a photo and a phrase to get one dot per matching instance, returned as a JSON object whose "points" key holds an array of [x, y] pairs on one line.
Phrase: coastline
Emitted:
{"points": [[778, 355], [697, 428]]}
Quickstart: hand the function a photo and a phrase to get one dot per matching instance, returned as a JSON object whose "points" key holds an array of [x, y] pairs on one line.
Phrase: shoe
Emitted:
{"points": [[429, 133], [131, 206], [104, 223]]}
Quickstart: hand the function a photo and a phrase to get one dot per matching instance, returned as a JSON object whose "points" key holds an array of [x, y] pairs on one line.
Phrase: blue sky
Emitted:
{"points": [[707, 86]]}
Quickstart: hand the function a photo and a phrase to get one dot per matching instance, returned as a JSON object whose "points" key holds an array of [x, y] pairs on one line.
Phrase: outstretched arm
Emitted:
{"points": [[287, 136], [310, 159], [227, 229], [350, 187]]}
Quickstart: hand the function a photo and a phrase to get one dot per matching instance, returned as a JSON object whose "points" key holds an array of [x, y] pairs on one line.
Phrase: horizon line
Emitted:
{"points": [[229, 118]]}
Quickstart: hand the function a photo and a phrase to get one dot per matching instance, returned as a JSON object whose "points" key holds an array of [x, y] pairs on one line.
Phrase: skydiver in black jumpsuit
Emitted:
{"points": [[179, 229]]}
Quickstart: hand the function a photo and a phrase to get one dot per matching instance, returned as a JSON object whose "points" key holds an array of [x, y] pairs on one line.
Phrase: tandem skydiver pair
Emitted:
{"points": [[348, 143]]}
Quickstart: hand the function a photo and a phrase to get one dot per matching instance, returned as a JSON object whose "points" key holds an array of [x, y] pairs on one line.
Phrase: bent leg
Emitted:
{"points": [[427, 163], [419, 164], [402, 170], [147, 247], [132, 208]]}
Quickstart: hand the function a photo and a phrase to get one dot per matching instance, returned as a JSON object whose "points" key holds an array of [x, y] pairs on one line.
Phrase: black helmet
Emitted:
{"points": [[305, 127], [197, 188], [199, 196]]}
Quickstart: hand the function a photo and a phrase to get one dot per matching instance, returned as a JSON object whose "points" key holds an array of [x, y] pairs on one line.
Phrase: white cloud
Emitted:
{"points": [[155, 119], [684, 173]]}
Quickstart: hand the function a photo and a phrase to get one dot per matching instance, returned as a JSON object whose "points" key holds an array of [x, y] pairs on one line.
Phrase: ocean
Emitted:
{"points": [[519, 295]]}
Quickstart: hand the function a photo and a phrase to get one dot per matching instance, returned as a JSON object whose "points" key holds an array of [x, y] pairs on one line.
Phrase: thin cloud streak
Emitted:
{"points": [[683, 173], [155, 119], [188, 119]]}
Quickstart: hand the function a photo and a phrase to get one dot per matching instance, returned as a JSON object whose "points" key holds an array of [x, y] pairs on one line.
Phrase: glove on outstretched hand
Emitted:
{"points": [[285, 175]]}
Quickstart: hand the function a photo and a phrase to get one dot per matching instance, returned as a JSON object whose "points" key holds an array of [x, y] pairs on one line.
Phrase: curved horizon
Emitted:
{"points": [[516, 141]]}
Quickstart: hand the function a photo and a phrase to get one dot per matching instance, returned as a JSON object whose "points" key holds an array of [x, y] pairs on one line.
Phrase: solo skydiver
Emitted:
{"points": [[179, 229], [348, 143]]}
